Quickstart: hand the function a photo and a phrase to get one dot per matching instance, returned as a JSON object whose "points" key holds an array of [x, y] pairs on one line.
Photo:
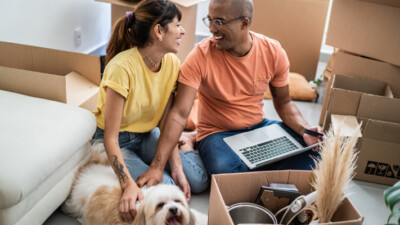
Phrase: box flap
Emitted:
{"points": [[348, 64], [49, 61], [218, 214], [79, 89], [393, 3], [184, 3], [382, 131], [345, 125], [35, 84], [187, 3], [303, 22], [380, 108], [360, 84]]}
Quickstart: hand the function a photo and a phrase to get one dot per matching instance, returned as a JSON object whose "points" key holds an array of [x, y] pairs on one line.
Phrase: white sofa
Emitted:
{"points": [[42, 143]]}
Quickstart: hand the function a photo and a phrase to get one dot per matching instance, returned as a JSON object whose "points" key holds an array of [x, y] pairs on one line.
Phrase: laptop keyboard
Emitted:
{"points": [[267, 150]]}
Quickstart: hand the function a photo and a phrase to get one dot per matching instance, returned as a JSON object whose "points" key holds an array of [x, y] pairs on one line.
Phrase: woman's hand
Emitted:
{"points": [[181, 181], [127, 205], [311, 139]]}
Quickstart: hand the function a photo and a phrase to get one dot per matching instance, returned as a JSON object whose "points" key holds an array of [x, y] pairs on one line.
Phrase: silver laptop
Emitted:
{"points": [[265, 145]]}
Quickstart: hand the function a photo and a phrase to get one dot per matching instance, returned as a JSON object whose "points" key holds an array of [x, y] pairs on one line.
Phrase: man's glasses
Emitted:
{"points": [[217, 23]]}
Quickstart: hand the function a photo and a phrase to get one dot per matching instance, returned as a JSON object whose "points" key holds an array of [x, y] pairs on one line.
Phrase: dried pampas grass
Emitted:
{"points": [[333, 172]]}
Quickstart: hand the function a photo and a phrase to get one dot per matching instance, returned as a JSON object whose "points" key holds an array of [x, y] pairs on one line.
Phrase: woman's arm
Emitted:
{"points": [[170, 133], [113, 113], [175, 160]]}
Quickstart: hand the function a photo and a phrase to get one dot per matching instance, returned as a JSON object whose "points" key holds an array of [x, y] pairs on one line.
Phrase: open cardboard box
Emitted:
{"points": [[228, 189], [298, 25], [362, 97], [366, 27], [67, 77], [349, 64], [379, 148], [189, 12]]}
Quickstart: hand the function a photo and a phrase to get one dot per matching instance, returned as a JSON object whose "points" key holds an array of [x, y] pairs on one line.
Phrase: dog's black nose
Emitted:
{"points": [[173, 210]]}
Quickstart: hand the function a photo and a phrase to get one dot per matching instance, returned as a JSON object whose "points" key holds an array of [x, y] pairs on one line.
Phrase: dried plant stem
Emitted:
{"points": [[332, 173]]}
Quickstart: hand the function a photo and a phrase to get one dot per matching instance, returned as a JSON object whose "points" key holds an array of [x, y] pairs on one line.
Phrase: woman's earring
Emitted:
{"points": [[160, 39]]}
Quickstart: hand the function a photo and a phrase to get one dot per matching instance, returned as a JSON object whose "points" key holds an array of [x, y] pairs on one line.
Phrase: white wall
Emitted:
{"points": [[51, 24], [202, 11]]}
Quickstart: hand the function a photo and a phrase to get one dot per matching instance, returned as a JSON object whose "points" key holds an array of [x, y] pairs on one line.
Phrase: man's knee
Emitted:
{"points": [[224, 166]]}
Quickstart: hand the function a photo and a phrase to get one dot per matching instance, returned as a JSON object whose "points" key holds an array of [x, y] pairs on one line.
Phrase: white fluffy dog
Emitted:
{"points": [[96, 193]]}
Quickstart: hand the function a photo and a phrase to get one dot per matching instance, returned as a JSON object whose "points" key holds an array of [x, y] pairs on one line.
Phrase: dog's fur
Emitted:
{"points": [[96, 193]]}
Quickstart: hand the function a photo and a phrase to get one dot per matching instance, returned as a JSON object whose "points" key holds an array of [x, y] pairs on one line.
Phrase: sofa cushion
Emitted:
{"points": [[38, 137]]}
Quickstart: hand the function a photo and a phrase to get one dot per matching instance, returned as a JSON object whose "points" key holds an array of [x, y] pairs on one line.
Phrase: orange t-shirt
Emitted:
{"points": [[231, 89]]}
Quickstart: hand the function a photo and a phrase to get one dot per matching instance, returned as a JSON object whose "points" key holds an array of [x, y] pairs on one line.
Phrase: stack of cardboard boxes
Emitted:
{"points": [[365, 82]]}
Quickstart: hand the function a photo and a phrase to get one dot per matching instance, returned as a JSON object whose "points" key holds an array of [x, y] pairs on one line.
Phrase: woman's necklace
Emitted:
{"points": [[152, 63]]}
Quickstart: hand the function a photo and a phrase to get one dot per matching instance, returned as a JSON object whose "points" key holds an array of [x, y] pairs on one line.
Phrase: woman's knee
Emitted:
{"points": [[199, 184]]}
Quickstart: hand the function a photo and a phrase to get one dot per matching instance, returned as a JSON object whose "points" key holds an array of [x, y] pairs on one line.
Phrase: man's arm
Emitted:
{"points": [[170, 133], [290, 114]]}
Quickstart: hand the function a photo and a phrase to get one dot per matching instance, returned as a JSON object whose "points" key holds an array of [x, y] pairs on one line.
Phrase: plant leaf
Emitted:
{"points": [[393, 198], [390, 190], [394, 213]]}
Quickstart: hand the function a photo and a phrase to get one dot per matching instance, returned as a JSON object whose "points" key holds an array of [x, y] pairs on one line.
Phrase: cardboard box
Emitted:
{"points": [[189, 12], [348, 64], [228, 189], [366, 27], [378, 148], [67, 77], [379, 153], [298, 25], [362, 97]]}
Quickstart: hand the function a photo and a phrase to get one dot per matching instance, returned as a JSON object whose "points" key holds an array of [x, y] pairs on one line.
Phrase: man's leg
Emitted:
{"points": [[217, 156]]}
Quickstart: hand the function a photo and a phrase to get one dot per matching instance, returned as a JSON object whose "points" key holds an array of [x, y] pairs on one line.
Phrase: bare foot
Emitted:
{"points": [[187, 141]]}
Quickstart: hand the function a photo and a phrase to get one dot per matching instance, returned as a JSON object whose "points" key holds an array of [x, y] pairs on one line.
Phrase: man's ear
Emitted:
{"points": [[246, 23], [159, 32]]}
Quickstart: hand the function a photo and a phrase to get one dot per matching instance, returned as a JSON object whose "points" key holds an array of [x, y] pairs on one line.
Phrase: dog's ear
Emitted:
{"points": [[192, 219], [140, 218]]}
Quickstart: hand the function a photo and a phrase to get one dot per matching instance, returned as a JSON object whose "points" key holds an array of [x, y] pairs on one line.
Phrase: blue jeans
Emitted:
{"points": [[139, 149], [218, 157]]}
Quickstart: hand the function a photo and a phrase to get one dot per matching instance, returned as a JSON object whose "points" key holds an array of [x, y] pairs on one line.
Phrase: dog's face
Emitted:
{"points": [[164, 205]]}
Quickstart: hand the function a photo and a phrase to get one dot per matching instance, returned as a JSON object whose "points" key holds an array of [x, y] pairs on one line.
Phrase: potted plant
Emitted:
{"points": [[392, 197]]}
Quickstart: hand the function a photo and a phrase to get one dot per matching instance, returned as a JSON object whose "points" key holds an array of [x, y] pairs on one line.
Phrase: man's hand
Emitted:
{"points": [[151, 177], [311, 139], [181, 181], [127, 204]]}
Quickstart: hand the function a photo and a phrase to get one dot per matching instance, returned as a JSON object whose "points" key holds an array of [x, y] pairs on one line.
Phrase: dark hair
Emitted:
{"points": [[134, 29]]}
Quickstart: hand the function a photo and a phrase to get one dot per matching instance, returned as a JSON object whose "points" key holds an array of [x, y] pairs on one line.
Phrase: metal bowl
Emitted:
{"points": [[250, 213]]}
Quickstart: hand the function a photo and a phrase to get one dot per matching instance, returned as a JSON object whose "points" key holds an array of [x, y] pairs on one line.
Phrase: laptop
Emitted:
{"points": [[265, 145]]}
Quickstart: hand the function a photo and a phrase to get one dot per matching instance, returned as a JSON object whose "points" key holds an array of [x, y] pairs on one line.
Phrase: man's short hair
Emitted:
{"points": [[240, 7]]}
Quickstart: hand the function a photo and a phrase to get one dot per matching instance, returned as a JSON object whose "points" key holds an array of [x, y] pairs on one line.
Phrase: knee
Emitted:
{"points": [[222, 166], [199, 184]]}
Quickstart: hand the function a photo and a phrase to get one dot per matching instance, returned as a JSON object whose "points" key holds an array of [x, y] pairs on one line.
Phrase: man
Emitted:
{"points": [[230, 72]]}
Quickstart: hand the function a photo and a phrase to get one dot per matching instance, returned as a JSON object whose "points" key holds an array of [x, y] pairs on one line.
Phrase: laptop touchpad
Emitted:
{"points": [[256, 136]]}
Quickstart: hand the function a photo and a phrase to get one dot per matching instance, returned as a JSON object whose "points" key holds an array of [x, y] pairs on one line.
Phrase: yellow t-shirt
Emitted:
{"points": [[146, 93]]}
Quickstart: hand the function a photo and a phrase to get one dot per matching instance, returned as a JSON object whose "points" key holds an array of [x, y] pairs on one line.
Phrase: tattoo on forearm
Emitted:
{"points": [[119, 170], [180, 124], [158, 158]]}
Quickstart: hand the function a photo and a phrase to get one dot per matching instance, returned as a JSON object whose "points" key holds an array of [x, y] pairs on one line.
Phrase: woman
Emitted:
{"points": [[136, 92]]}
